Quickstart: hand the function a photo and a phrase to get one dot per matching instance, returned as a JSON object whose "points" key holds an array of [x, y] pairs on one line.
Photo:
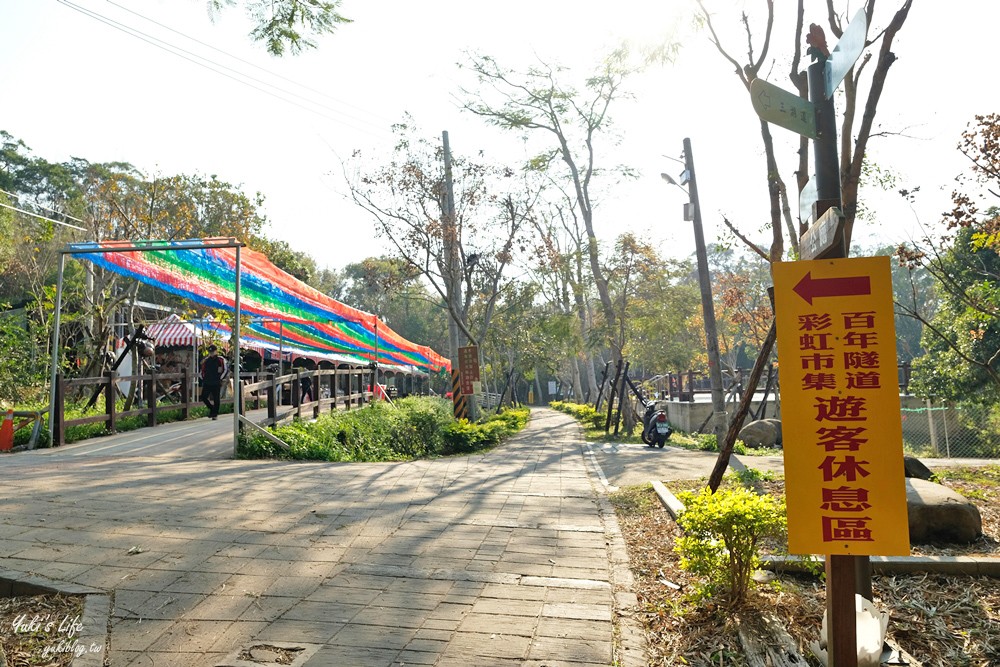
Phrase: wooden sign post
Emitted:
{"points": [[830, 239]]}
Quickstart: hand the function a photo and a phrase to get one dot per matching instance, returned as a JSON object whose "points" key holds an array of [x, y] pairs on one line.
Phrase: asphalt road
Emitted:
{"points": [[626, 464]]}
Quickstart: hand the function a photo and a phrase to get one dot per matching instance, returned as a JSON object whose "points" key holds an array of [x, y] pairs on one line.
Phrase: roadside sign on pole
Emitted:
{"points": [[807, 198], [844, 484], [468, 368], [783, 108], [846, 52], [825, 237]]}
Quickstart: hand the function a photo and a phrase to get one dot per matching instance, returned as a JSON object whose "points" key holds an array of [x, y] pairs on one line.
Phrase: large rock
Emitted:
{"points": [[914, 467], [939, 514], [777, 425], [760, 433]]}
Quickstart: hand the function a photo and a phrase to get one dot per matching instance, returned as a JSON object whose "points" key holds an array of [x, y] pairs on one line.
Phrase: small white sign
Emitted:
{"points": [[477, 387]]}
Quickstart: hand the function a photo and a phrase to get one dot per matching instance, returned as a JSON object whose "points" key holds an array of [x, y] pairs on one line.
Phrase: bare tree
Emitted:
{"points": [[853, 143], [854, 135], [537, 100], [493, 209]]}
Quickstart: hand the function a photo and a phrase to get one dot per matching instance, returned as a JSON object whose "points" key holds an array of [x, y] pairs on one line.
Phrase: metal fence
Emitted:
{"points": [[951, 430]]}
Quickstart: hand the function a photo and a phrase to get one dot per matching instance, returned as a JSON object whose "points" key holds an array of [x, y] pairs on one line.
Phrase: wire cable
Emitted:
{"points": [[42, 217], [197, 60], [254, 65], [65, 215]]}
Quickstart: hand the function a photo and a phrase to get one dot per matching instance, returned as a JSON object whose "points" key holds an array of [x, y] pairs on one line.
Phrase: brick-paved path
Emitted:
{"points": [[508, 558]]}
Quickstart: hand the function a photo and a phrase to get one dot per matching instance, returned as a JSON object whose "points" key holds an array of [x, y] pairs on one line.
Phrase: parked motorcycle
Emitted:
{"points": [[168, 393], [171, 394], [656, 428]]}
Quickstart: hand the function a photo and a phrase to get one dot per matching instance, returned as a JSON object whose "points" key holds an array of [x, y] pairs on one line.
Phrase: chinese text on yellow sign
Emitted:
{"points": [[841, 424]]}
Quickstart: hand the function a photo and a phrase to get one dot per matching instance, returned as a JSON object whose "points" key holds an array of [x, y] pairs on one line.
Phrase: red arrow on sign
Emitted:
{"points": [[809, 288]]}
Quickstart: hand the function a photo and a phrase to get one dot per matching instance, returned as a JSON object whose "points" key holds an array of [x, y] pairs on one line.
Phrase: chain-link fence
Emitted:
{"points": [[951, 430]]}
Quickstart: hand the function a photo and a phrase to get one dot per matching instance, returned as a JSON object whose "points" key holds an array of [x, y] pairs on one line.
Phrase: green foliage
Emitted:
{"points": [[464, 437], [707, 442], [977, 428], [722, 533], [416, 427], [283, 256], [750, 478], [964, 333], [288, 24], [22, 365], [583, 413]]}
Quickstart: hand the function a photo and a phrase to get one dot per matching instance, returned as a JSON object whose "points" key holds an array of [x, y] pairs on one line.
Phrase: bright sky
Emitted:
{"points": [[73, 85]]}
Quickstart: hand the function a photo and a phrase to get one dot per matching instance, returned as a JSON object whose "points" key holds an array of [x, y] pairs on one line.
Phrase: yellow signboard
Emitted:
{"points": [[841, 426]]}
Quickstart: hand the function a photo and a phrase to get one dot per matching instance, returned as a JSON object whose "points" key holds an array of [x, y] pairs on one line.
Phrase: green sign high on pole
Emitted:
{"points": [[783, 108], [846, 52]]}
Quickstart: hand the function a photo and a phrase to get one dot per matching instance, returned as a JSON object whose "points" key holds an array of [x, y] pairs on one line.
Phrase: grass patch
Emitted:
{"points": [[630, 501], [988, 476]]}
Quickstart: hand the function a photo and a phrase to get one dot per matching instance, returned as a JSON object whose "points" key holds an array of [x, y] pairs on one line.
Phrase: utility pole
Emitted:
{"points": [[453, 278], [707, 304]]}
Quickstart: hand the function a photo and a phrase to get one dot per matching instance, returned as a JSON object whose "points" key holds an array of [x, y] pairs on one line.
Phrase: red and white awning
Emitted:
{"points": [[172, 331]]}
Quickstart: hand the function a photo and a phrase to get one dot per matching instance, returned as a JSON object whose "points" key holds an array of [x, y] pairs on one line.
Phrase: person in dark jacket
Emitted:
{"points": [[213, 370], [305, 396]]}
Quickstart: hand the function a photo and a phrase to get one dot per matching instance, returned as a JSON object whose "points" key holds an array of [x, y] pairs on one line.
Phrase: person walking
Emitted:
{"points": [[213, 370], [305, 396]]}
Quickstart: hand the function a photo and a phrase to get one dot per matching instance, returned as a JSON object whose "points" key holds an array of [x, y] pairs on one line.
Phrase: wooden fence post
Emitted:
{"points": [[58, 436], [110, 394]]}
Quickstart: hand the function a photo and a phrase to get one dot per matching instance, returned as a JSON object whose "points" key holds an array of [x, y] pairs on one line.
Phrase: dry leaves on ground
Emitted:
{"points": [[942, 621], [30, 634]]}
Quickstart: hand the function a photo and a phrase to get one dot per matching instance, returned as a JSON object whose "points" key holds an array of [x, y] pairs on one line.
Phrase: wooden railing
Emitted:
{"points": [[685, 385], [332, 389], [153, 389]]}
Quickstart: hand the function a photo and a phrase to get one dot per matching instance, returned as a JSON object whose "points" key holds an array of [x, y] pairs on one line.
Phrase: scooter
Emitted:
{"points": [[656, 429]]}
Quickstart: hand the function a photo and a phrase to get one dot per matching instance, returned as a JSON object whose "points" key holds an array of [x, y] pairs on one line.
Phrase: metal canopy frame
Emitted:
{"points": [[146, 246]]}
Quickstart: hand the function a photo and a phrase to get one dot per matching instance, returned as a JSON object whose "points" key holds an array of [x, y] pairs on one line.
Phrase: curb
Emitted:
{"points": [[631, 636], [951, 565], [91, 644]]}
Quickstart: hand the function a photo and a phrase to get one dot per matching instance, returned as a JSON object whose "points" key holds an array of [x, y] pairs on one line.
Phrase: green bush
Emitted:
{"points": [[706, 442], [465, 437], [462, 437], [23, 369], [722, 532], [413, 427], [751, 477], [582, 412], [514, 418]]}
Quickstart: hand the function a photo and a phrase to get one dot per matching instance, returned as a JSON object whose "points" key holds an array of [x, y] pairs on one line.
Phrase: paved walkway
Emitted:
{"points": [[509, 558]]}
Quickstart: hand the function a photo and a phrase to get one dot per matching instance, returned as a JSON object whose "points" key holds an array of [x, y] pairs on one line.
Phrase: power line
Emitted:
{"points": [[197, 60], [42, 217], [254, 65], [65, 215]]}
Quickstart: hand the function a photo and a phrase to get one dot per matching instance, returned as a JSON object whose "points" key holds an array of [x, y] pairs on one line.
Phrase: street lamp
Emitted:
{"points": [[692, 212]]}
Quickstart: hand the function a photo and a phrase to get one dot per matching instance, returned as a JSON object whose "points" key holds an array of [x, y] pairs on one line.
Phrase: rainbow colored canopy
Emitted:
{"points": [[309, 319]]}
